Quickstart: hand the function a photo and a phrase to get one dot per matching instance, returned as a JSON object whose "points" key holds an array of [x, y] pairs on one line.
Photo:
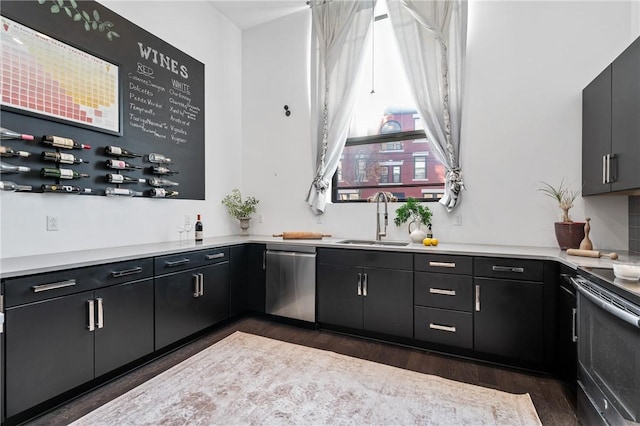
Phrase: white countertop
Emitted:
{"points": [[27, 265]]}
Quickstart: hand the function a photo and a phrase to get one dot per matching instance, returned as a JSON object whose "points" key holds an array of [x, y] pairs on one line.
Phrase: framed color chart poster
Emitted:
{"points": [[44, 76]]}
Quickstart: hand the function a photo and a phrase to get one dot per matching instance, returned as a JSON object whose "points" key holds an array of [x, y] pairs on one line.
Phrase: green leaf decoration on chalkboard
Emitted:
{"points": [[77, 15]]}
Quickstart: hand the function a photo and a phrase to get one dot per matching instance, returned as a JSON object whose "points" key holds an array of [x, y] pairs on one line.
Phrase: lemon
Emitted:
{"points": [[434, 241], [427, 241]]}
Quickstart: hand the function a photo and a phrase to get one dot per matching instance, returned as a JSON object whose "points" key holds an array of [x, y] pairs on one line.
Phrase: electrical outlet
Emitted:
{"points": [[457, 220], [259, 218], [53, 223]]}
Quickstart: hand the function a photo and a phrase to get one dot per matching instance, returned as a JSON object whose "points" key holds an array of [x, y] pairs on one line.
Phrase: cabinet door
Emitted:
{"points": [[127, 325], [508, 318], [625, 124], [596, 132], [238, 280], [175, 307], [213, 303], [388, 302], [338, 300], [49, 350]]}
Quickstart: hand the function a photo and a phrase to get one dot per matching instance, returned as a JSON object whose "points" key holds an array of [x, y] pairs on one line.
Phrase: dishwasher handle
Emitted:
{"points": [[290, 254]]}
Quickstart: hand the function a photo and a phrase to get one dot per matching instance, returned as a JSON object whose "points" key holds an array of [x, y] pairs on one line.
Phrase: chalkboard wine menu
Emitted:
{"points": [[77, 70]]}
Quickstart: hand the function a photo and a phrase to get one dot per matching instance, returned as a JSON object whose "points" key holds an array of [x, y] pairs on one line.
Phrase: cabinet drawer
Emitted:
{"points": [[366, 258], [442, 326], [444, 263], [444, 291], [33, 288], [188, 260], [517, 269]]}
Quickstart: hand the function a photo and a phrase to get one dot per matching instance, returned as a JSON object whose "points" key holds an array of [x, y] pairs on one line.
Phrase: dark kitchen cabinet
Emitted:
{"points": [[238, 280], [509, 308], [443, 296], [58, 338], [352, 293], [190, 299], [257, 276], [611, 128]]}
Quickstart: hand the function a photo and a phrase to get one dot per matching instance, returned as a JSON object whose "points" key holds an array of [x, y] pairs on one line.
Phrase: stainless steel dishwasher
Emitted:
{"points": [[291, 281]]}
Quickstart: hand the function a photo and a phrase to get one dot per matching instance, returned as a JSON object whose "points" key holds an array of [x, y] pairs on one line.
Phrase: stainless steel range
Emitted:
{"points": [[608, 348]]}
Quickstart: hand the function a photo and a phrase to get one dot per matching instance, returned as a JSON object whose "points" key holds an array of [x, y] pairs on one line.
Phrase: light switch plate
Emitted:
{"points": [[53, 223]]}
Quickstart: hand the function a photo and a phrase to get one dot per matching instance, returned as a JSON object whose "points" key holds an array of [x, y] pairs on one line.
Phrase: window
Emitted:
{"points": [[386, 132], [419, 167]]}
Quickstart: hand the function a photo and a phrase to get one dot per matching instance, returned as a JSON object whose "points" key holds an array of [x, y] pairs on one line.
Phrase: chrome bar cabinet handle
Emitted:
{"points": [[443, 264], [176, 263], [447, 328], [442, 291], [196, 285], [132, 271], [53, 286], [100, 313], [477, 297], [359, 284], [91, 315], [574, 335], [604, 169], [201, 284], [214, 256], [507, 269], [365, 285]]}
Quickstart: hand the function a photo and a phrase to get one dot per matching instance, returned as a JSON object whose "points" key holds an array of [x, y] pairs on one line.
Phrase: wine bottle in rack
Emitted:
{"points": [[160, 170], [9, 168], [110, 192], [61, 157], [115, 178], [199, 228], [159, 182], [159, 158], [117, 151], [121, 165], [12, 186], [10, 134], [61, 173], [60, 142], [65, 189], [161, 193], [6, 151]]}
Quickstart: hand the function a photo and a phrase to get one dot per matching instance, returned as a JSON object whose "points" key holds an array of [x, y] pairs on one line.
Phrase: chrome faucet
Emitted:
{"points": [[379, 233]]}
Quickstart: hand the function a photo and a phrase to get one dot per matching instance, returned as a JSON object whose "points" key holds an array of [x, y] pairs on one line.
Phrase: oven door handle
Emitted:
{"points": [[625, 316]]}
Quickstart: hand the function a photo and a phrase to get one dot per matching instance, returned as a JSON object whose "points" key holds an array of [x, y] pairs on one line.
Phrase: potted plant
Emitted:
{"points": [[568, 233], [418, 214], [239, 209]]}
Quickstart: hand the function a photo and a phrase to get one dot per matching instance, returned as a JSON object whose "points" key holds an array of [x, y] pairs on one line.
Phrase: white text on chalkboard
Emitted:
{"points": [[163, 60]]}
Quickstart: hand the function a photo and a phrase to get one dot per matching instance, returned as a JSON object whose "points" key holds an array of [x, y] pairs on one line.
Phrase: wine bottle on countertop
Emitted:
{"points": [[126, 192], [6, 151], [161, 193], [121, 165], [10, 134], [65, 189], [199, 229], [159, 158], [117, 151], [62, 173], [159, 170], [60, 142], [159, 182], [9, 168], [12, 186], [61, 157], [115, 178]]}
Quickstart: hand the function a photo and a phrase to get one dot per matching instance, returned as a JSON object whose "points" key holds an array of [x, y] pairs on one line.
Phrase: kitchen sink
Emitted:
{"points": [[374, 243]]}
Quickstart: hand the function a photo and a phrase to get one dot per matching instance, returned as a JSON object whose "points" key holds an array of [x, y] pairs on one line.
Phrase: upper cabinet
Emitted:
{"points": [[611, 127]]}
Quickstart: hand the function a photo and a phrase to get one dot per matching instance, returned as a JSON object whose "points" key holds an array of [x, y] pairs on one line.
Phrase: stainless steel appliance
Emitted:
{"points": [[608, 348], [291, 281]]}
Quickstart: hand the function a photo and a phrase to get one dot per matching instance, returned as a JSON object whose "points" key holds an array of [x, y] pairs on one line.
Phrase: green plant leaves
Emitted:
{"points": [[79, 15]]}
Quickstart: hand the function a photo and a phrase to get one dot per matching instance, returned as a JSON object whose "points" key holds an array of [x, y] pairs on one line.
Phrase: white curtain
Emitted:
{"points": [[341, 29], [432, 39]]}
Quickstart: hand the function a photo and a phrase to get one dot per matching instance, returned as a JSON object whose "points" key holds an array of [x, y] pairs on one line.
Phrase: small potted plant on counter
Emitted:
{"points": [[568, 233], [418, 214], [239, 209]]}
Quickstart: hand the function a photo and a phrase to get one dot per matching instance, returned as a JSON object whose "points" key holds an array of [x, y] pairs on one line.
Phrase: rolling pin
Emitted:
{"points": [[302, 235], [591, 253]]}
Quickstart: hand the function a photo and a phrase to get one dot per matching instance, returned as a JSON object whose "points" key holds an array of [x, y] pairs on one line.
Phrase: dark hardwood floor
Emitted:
{"points": [[550, 397]]}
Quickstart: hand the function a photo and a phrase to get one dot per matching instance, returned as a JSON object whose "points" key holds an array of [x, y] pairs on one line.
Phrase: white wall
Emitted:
{"points": [[527, 63], [86, 222]]}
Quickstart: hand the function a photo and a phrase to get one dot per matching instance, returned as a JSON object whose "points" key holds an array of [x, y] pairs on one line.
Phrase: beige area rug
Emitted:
{"points": [[247, 379]]}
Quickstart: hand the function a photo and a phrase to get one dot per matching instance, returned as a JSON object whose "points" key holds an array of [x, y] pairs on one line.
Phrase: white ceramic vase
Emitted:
{"points": [[417, 235], [244, 225]]}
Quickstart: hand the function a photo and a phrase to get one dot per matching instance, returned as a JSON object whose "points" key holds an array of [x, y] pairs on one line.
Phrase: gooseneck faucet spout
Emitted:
{"points": [[379, 232]]}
